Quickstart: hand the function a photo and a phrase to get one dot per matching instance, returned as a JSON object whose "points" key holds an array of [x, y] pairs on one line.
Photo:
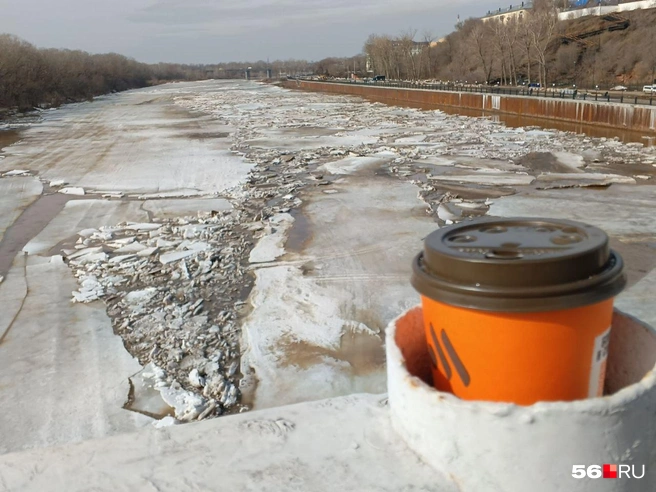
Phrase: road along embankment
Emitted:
{"points": [[610, 115]]}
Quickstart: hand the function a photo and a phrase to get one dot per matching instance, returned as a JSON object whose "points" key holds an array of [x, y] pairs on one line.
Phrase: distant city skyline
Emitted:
{"points": [[204, 31]]}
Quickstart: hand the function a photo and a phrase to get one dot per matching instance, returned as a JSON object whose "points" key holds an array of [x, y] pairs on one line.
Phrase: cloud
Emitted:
{"points": [[268, 13], [208, 31]]}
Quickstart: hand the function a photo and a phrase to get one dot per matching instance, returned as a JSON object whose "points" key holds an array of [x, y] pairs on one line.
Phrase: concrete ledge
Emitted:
{"points": [[339, 444], [485, 446]]}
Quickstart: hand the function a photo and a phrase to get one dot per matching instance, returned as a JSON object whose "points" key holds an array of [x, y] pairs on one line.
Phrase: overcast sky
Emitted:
{"points": [[211, 31]]}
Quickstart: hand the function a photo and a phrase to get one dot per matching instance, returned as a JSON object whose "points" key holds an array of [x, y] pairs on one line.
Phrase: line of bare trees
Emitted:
{"points": [[513, 49], [400, 57], [535, 47], [32, 77], [510, 50]]}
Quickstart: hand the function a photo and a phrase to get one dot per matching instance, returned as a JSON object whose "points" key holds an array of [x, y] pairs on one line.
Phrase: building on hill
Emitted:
{"points": [[571, 9], [605, 7], [419, 46], [417, 49], [517, 12]]}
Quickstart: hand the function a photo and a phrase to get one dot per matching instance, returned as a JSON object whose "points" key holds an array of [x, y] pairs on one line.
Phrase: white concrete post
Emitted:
{"points": [[490, 447]]}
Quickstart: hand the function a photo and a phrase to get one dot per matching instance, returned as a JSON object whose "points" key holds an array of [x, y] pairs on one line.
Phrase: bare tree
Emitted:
{"points": [[530, 48], [479, 39], [379, 51], [428, 54], [526, 43], [510, 36], [498, 28], [542, 21], [408, 57]]}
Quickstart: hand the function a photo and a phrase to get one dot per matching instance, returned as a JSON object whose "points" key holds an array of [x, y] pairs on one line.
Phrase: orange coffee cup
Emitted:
{"points": [[518, 310]]}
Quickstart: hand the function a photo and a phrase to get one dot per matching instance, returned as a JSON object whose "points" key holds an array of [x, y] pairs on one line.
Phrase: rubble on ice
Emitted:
{"points": [[298, 139], [172, 289], [176, 287]]}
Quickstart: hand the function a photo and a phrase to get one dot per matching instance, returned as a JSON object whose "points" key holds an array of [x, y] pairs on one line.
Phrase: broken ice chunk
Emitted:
{"points": [[17, 172], [146, 226], [131, 248], [196, 379], [147, 252], [175, 256], [87, 232], [72, 190]]}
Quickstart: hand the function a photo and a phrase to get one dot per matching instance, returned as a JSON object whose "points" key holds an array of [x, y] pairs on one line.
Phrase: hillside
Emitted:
{"points": [[622, 56], [604, 51]]}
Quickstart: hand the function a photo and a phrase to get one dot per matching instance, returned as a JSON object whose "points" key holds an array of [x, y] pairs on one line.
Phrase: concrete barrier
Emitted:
{"points": [[500, 447], [611, 115]]}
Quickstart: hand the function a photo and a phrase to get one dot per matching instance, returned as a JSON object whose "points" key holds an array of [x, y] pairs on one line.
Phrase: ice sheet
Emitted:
{"points": [[140, 145], [352, 278], [82, 214], [15, 195], [169, 208], [63, 372], [619, 210]]}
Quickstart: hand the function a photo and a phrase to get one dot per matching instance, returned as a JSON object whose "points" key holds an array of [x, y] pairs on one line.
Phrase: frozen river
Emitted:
{"points": [[247, 244]]}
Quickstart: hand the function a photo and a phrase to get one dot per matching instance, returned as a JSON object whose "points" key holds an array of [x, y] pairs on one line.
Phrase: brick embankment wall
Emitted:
{"points": [[610, 115]]}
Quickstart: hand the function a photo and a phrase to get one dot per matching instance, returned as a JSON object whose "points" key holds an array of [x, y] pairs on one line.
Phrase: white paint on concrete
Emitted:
{"points": [[340, 444], [498, 447]]}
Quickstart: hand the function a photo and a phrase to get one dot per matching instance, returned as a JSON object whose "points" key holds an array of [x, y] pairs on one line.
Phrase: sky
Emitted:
{"points": [[214, 31]]}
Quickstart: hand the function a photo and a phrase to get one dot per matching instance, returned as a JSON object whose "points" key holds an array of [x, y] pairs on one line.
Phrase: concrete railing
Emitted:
{"points": [[550, 93]]}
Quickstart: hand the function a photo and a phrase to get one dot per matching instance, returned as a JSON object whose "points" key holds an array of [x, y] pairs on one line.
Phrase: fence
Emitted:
{"points": [[588, 109], [555, 93]]}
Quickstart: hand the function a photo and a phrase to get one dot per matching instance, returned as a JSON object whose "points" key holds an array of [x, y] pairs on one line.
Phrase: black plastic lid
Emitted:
{"points": [[518, 265]]}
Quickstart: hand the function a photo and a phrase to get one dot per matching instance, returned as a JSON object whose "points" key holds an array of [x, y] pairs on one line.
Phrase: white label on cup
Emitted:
{"points": [[598, 369]]}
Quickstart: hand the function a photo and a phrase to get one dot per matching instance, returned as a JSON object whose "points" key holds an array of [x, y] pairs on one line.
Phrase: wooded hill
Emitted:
{"points": [[32, 77], [605, 51]]}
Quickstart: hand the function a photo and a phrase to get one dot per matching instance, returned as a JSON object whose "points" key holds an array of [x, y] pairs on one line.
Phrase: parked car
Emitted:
{"points": [[618, 88], [649, 89], [534, 85], [378, 78]]}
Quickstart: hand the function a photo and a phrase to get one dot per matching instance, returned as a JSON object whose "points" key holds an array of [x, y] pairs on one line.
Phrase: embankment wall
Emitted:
{"points": [[613, 115]]}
